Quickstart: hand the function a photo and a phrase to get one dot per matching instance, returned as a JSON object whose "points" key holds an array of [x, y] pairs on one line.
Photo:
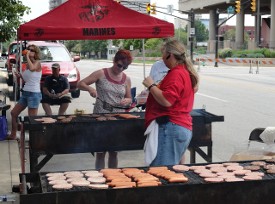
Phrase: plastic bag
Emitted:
{"points": [[3, 127], [253, 151]]}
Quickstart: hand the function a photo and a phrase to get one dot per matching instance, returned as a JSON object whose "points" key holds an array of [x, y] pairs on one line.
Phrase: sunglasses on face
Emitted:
{"points": [[31, 50], [121, 66]]}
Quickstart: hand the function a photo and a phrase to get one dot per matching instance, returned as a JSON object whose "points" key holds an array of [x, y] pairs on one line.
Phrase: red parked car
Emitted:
{"points": [[51, 52]]}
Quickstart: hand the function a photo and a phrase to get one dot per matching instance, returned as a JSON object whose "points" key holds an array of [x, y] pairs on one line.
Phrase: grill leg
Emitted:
{"points": [[209, 153], [207, 157], [192, 155], [33, 162], [22, 147]]}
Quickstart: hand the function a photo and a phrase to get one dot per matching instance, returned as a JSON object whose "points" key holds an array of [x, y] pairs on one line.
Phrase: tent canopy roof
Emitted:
{"points": [[94, 19]]}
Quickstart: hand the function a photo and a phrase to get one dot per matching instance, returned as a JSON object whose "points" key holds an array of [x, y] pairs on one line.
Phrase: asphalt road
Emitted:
{"points": [[245, 100]]}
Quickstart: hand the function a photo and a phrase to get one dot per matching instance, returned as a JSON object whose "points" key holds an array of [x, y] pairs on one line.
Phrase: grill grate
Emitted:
{"points": [[80, 118], [193, 178]]}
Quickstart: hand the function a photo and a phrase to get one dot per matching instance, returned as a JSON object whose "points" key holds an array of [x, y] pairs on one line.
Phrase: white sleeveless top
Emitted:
{"points": [[32, 80]]}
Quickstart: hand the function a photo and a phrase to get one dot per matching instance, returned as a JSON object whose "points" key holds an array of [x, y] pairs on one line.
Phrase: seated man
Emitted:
{"points": [[55, 89]]}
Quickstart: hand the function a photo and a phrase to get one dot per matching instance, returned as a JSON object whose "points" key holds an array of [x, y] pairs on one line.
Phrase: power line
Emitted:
{"points": [[143, 5]]}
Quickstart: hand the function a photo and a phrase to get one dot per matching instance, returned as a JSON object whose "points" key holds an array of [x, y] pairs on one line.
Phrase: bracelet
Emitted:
{"points": [[152, 85]]}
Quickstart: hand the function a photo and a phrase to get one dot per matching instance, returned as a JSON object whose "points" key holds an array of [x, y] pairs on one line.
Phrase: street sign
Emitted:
{"points": [[170, 9], [192, 31], [230, 10]]}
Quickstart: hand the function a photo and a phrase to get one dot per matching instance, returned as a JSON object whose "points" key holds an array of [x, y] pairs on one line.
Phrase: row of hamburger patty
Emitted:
{"points": [[157, 176], [103, 117]]}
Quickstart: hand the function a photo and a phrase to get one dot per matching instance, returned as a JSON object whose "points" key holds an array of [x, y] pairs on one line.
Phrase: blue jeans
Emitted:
{"points": [[173, 141], [30, 99]]}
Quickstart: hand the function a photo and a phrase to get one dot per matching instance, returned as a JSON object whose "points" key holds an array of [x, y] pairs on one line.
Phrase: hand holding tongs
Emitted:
{"points": [[109, 107]]}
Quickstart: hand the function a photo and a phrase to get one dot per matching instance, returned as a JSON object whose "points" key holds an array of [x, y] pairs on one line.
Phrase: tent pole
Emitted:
{"points": [[143, 55]]}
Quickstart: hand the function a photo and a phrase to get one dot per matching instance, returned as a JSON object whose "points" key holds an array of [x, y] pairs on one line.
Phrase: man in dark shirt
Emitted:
{"points": [[55, 90]]}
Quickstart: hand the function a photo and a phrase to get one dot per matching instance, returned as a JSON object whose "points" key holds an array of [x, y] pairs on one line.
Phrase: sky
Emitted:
{"points": [[39, 7], [249, 20]]}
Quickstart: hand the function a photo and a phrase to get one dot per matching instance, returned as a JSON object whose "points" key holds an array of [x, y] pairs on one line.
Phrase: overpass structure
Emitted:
{"points": [[215, 7]]}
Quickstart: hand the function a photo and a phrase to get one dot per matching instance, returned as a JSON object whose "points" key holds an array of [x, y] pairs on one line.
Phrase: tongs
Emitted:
{"points": [[109, 107]]}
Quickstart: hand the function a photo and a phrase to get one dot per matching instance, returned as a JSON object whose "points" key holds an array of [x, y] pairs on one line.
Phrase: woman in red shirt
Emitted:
{"points": [[170, 103]]}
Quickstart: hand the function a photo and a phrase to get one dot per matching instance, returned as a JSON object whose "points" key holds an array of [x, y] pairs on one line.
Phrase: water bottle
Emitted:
{"points": [[53, 92]]}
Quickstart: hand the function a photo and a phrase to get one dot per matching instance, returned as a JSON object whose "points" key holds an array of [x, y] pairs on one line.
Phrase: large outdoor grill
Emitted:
{"points": [[84, 133], [195, 191]]}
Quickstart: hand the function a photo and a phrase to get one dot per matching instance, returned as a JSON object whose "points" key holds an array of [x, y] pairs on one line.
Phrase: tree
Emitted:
{"points": [[94, 46], [181, 35], [70, 44], [230, 34], [137, 44], [117, 42], [12, 12], [153, 44], [201, 31], [88, 47]]}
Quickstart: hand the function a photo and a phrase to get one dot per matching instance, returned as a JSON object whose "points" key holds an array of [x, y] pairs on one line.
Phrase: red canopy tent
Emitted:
{"points": [[94, 20]]}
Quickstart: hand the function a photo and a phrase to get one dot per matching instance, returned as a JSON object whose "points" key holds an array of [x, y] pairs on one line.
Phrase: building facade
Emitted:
{"points": [[55, 3]]}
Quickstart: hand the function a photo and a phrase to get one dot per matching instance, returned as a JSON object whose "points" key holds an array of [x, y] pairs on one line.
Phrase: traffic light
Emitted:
{"points": [[238, 6], [153, 8], [253, 5], [148, 8]]}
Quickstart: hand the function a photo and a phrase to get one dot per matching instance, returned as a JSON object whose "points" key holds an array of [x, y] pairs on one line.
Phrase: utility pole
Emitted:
{"points": [[192, 32], [258, 16], [217, 37]]}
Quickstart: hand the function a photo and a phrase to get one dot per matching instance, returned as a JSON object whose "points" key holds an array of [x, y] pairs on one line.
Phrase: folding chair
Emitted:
{"points": [[255, 135]]}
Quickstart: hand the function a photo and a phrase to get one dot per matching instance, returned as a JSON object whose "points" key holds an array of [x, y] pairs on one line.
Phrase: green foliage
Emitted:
{"points": [[258, 53], [77, 48], [93, 45], [117, 42], [230, 34], [268, 53], [87, 46], [6, 44], [153, 44], [153, 54], [200, 50], [181, 35], [12, 12], [201, 31], [71, 44], [225, 53], [272, 54], [137, 44]]}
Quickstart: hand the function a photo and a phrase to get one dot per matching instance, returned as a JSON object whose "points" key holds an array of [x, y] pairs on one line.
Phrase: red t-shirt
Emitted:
{"points": [[177, 89]]}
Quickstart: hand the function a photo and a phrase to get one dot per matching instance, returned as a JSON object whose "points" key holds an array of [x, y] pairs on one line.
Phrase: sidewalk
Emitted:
{"points": [[9, 169], [9, 159]]}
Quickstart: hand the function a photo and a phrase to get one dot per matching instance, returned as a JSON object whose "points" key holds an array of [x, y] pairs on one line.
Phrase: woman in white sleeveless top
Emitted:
{"points": [[114, 87], [31, 95]]}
